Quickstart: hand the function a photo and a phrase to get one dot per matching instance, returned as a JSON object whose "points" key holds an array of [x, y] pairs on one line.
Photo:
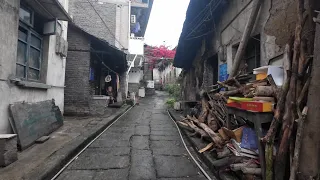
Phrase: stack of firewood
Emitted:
{"points": [[259, 90], [212, 117]]}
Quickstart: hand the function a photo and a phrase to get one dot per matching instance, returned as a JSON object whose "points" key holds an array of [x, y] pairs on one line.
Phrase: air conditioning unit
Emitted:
{"points": [[133, 19]]}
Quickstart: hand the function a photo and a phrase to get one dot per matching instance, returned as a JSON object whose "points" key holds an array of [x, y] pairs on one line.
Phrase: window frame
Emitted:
{"points": [[28, 28], [31, 16]]}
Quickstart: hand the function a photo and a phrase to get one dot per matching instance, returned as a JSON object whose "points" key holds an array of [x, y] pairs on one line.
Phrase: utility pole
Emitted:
{"points": [[245, 37]]}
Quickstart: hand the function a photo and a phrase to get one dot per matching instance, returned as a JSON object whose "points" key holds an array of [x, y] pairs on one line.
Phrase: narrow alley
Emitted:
{"points": [[142, 144]]}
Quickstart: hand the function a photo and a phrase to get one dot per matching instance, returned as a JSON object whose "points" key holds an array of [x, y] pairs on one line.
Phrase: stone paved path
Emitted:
{"points": [[144, 144]]}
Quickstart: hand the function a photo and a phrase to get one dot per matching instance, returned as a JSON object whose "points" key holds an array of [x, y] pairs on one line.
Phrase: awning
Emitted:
{"points": [[50, 9]]}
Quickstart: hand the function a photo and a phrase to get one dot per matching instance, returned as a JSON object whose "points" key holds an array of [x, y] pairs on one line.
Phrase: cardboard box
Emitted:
{"points": [[257, 106]]}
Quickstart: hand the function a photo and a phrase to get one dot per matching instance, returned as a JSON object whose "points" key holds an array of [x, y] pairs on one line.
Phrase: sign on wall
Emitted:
{"points": [[223, 72]]}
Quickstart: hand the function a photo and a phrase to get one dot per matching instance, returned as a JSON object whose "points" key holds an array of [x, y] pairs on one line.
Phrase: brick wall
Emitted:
{"points": [[78, 90], [85, 17]]}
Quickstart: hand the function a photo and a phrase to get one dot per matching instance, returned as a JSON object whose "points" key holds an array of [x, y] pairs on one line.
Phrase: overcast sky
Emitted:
{"points": [[166, 22]]}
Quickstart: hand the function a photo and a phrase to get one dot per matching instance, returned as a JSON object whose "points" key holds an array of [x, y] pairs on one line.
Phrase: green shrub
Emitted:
{"points": [[174, 90], [171, 102]]}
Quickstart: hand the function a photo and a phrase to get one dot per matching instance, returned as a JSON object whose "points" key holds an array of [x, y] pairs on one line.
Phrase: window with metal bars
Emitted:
{"points": [[29, 53]]}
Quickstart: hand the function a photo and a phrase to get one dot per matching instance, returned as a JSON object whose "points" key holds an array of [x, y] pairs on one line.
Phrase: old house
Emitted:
{"points": [[139, 17], [168, 74], [98, 39], [93, 72], [212, 32], [33, 49], [105, 38]]}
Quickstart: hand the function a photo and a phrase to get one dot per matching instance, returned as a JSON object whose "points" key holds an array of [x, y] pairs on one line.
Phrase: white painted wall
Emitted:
{"points": [[164, 76], [122, 24], [135, 75], [156, 74], [10, 93]]}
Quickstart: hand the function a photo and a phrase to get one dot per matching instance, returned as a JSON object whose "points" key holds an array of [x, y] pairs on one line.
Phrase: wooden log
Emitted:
{"points": [[185, 126], [239, 166], [227, 161], [264, 83], [278, 114], [303, 93], [204, 110], [245, 37], [212, 122], [267, 99], [290, 114], [215, 137], [296, 155], [224, 153], [223, 84], [256, 171], [209, 146], [199, 131], [302, 62], [273, 85], [243, 90], [266, 91]]}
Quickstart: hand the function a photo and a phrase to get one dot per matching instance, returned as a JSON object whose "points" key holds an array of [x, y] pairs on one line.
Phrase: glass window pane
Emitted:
{"points": [[20, 71], [33, 74], [34, 60], [23, 34], [21, 54], [36, 42], [25, 15]]}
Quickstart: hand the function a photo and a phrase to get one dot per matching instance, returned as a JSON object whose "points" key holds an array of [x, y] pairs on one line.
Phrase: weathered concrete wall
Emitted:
{"points": [[122, 24], [135, 75], [188, 86], [77, 91], [53, 65], [170, 74], [232, 27], [9, 13]]}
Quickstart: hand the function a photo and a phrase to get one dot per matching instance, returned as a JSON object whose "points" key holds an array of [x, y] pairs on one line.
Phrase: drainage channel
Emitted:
{"points": [[185, 146], [77, 155]]}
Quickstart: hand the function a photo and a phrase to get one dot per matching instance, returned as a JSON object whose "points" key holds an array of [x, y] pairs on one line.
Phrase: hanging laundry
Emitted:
{"points": [[136, 28]]}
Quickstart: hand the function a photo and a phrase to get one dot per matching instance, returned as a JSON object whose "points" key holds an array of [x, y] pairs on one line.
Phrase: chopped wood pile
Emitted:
{"points": [[285, 132]]}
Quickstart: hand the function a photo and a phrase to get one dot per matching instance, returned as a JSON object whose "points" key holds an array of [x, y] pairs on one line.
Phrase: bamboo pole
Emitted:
{"points": [[245, 37]]}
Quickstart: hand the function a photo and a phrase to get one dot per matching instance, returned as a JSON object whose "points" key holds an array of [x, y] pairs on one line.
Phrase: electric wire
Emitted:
{"points": [[208, 14], [105, 24]]}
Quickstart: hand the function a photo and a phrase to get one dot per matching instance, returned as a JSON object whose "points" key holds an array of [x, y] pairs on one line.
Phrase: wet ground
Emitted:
{"points": [[143, 144]]}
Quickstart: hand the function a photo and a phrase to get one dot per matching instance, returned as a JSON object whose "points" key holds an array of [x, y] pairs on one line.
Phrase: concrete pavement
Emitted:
{"points": [[143, 144]]}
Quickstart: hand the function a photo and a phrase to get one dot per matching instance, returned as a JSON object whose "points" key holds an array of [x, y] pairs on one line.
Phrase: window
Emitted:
{"points": [[29, 51], [25, 15]]}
